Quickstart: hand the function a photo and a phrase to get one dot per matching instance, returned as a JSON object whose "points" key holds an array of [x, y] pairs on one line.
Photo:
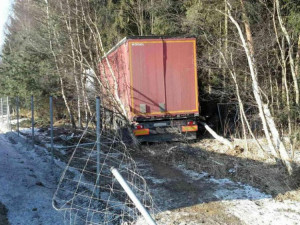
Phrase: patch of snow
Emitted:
{"points": [[192, 174], [28, 130], [56, 146], [14, 122], [232, 170], [297, 156], [225, 188], [265, 211], [22, 168], [156, 180], [27, 183], [249, 204], [66, 137], [240, 191]]}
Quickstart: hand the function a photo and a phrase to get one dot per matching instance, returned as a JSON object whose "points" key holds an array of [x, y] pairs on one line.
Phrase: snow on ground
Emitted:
{"points": [[249, 204], [26, 183], [225, 189], [265, 211], [297, 157], [28, 196], [28, 130], [189, 197], [14, 122]]}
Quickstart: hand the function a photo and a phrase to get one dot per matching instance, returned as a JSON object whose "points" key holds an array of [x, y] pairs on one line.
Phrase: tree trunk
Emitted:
{"points": [[62, 86], [264, 111], [87, 108], [255, 86], [290, 52], [285, 88], [276, 139], [152, 18], [209, 75], [69, 29], [241, 105], [297, 58], [216, 136], [247, 28], [225, 43]]}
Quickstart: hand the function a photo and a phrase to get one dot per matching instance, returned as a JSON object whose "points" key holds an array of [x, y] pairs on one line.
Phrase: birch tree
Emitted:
{"points": [[277, 147]]}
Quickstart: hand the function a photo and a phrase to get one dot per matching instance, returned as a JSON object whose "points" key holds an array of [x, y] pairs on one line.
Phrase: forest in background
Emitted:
{"points": [[248, 52]]}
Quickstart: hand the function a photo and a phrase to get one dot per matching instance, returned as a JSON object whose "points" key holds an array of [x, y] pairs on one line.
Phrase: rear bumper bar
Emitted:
{"points": [[166, 129]]}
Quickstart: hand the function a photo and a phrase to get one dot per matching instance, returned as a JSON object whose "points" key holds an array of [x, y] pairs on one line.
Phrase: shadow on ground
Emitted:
{"points": [[3, 215], [191, 176], [165, 163]]}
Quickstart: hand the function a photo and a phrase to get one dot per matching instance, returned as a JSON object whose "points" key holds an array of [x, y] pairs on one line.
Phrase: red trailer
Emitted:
{"points": [[155, 78]]}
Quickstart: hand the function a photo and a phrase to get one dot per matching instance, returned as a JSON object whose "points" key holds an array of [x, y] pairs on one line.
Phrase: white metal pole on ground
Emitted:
{"points": [[132, 196]]}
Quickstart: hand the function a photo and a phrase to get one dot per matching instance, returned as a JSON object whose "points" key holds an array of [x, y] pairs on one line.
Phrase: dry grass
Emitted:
{"points": [[250, 167]]}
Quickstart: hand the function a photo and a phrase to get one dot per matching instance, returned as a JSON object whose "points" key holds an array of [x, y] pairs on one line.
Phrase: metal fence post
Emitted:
{"points": [[51, 126], [18, 114], [98, 144], [8, 114], [1, 109], [32, 120]]}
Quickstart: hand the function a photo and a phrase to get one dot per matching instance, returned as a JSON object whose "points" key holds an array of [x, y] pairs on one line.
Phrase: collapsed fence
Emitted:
{"points": [[101, 183], [90, 197]]}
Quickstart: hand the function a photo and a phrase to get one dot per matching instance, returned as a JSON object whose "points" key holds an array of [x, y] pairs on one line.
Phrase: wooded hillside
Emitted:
{"points": [[248, 53]]}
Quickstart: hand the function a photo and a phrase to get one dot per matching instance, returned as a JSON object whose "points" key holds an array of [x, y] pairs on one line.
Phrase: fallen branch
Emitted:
{"points": [[216, 136]]}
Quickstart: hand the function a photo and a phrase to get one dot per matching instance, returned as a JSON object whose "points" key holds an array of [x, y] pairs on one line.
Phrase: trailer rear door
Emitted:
{"points": [[163, 77], [147, 76], [181, 76]]}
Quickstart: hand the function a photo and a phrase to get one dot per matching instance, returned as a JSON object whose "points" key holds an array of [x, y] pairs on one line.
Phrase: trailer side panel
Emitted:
{"points": [[116, 81]]}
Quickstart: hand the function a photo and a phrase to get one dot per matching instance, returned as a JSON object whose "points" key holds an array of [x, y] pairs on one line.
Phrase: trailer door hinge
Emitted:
{"points": [[162, 107], [143, 108]]}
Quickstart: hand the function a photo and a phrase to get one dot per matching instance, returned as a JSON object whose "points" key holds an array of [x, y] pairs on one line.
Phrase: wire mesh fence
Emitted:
{"points": [[88, 197], [87, 192]]}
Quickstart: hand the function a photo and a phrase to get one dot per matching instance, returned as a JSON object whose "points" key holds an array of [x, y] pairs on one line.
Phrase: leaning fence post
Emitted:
{"points": [[51, 127], [98, 144], [132, 196], [32, 120], [18, 124]]}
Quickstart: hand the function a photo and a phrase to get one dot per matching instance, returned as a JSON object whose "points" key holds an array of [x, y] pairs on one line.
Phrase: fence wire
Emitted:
{"points": [[86, 197], [83, 195]]}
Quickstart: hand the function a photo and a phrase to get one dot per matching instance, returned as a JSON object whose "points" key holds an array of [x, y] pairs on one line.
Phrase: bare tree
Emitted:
{"points": [[290, 51], [264, 112], [52, 33]]}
